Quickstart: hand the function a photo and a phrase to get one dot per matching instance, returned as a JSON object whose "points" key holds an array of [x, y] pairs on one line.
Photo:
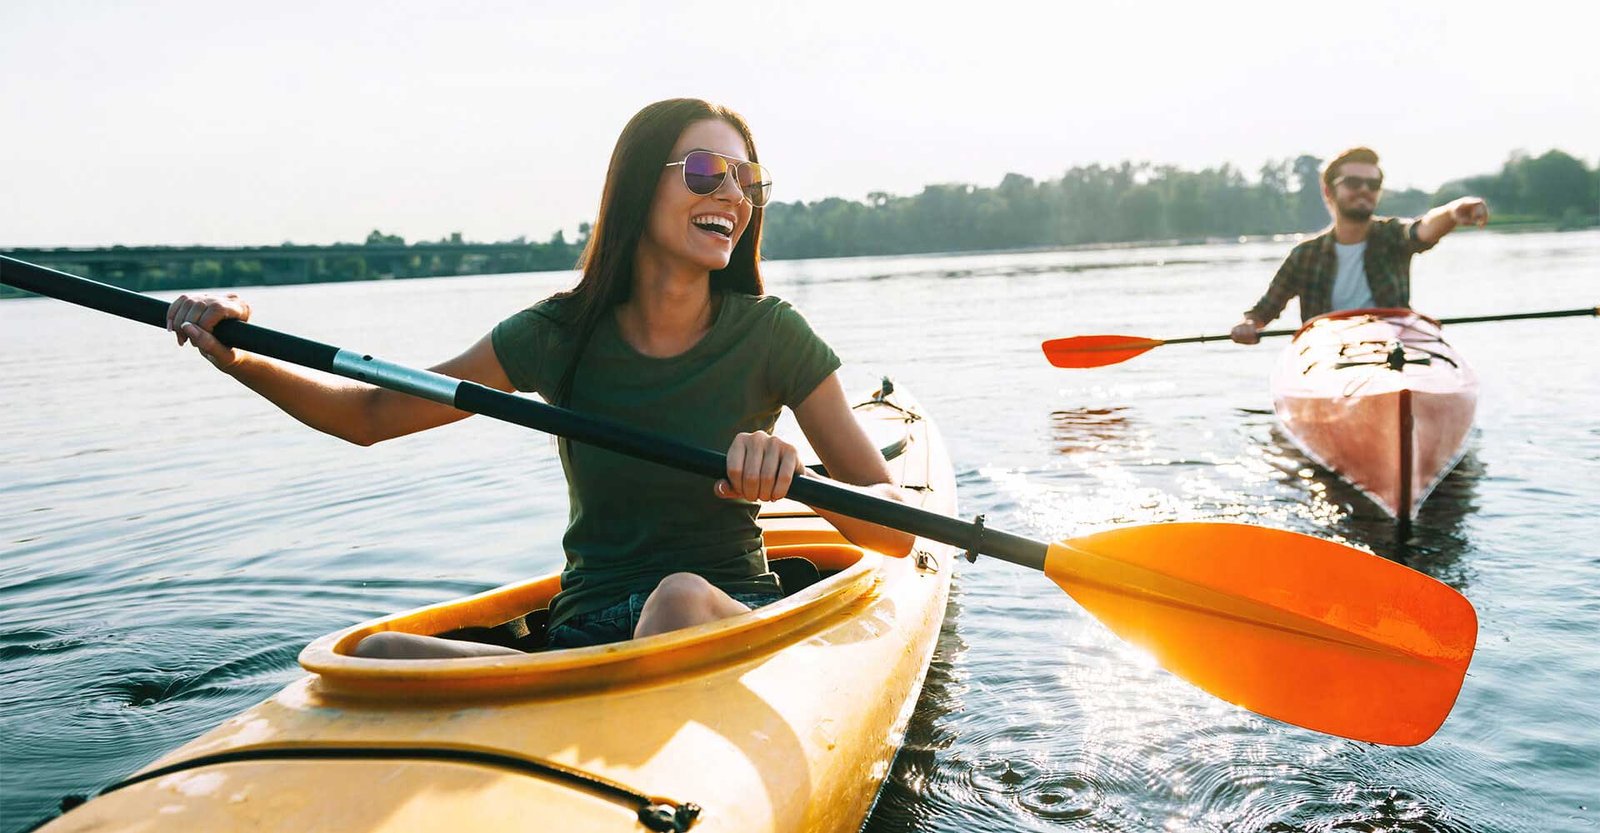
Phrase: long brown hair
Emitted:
{"points": [[630, 189]]}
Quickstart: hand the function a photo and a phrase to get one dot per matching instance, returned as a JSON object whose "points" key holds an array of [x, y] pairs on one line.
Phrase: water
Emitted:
{"points": [[168, 542]]}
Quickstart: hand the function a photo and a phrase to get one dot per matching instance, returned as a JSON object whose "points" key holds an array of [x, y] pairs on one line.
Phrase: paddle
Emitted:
{"points": [[1099, 351], [1293, 627]]}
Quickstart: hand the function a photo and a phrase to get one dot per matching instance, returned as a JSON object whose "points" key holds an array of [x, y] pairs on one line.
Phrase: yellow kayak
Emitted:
{"points": [[783, 719]]}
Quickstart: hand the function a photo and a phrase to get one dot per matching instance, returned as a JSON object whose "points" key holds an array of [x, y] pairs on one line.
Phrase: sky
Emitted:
{"points": [[247, 123]]}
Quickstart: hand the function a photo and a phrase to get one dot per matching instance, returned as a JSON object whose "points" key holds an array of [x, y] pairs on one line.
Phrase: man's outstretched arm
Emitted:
{"points": [[1444, 219]]}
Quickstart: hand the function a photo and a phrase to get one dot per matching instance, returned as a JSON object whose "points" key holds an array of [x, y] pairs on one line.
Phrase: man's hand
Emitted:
{"points": [[1245, 332], [1470, 211], [1442, 220]]}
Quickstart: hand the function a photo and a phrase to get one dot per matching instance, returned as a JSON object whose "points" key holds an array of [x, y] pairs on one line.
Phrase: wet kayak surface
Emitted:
{"points": [[170, 542]]}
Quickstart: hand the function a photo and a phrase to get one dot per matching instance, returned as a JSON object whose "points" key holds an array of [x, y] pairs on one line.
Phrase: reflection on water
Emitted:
{"points": [[168, 543], [903, 803], [1433, 543], [1437, 540], [1088, 429], [1030, 264]]}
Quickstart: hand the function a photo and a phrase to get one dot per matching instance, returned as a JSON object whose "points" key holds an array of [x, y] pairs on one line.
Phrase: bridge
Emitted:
{"points": [[146, 268]]}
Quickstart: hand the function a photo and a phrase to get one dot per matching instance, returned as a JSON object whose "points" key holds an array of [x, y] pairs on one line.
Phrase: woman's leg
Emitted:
{"points": [[683, 600], [392, 645]]}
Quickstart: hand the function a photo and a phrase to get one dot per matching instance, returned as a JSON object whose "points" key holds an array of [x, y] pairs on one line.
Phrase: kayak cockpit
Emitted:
{"points": [[843, 581], [843, 577]]}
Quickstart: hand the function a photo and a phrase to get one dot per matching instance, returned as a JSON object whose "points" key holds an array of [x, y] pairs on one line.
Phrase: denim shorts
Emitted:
{"points": [[617, 622]]}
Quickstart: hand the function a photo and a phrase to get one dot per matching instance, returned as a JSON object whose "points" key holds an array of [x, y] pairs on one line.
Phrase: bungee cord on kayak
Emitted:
{"points": [[654, 812]]}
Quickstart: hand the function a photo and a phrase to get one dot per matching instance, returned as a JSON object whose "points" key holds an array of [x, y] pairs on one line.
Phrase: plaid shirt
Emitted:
{"points": [[1309, 271]]}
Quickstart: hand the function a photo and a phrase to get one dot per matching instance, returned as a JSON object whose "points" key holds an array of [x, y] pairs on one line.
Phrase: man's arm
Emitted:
{"points": [[1285, 285], [1444, 219]]}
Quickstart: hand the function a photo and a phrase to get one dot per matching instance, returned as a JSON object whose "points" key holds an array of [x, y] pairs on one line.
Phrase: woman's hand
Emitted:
{"points": [[760, 467], [191, 317]]}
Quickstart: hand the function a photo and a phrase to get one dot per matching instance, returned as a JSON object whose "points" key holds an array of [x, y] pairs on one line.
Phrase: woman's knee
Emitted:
{"points": [[386, 645], [392, 645], [684, 590], [680, 600]]}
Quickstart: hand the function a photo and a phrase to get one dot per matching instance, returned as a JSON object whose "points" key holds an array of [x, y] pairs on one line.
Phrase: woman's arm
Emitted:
{"points": [[352, 411], [850, 457]]}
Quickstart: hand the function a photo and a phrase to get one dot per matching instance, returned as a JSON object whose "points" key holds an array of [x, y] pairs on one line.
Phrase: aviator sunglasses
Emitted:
{"points": [[704, 172], [1373, 183]]}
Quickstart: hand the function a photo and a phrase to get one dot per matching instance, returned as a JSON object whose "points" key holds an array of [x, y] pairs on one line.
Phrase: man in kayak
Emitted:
{"points": [[668, 328], [1361, 261]]}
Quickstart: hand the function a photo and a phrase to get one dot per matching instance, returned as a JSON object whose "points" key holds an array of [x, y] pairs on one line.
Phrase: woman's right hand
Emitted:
{"points": [[191, 317], [761, 467]]}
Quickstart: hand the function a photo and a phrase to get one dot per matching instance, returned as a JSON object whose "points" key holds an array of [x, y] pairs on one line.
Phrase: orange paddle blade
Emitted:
{"points": [[1293, 627], [1095, 351]]}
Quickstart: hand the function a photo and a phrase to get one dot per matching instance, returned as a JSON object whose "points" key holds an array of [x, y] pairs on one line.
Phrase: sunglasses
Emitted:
{"points": [[704, 173], [1372, 183]]}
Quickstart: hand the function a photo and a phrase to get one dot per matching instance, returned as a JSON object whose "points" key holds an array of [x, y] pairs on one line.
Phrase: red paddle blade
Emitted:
{"points": [[1096, 351], [1307, 631]]}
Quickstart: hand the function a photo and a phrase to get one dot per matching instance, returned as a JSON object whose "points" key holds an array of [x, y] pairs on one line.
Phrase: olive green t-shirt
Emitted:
{"points": [[633, 522]]}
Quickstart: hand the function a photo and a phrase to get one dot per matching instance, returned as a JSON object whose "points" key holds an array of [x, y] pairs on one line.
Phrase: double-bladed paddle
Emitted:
{"points": [[1293, 627], [1099, 351]]}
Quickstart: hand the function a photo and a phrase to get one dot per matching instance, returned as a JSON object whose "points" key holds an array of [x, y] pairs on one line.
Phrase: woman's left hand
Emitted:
{"points": [[760, 467]]}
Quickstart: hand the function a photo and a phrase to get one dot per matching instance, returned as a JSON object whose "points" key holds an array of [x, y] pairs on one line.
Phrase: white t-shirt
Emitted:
{"points": [[1350, 287]]}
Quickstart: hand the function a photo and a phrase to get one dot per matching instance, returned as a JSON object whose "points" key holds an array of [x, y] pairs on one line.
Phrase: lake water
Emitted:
{"points": [[169, 542]]}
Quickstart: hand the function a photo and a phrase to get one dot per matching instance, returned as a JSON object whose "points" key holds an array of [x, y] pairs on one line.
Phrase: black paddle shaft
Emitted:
{"points": [[1469, 319], [816, 492]]}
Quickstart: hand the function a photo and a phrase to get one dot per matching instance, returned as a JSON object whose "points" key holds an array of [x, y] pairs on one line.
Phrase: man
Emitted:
{"points": [[1360, 261]]}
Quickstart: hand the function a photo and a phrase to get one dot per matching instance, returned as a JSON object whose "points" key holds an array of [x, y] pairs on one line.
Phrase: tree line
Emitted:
{"points": [[1125, 203], [1144, 202]]}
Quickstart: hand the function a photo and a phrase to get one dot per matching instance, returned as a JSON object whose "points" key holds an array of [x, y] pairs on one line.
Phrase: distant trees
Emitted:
{"points": [[1310, 211], [1555, 185], [1139, 201]]}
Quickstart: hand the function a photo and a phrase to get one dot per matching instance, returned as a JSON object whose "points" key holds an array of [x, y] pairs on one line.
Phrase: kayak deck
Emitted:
{"points": [[1378, 397], [784, 718]]}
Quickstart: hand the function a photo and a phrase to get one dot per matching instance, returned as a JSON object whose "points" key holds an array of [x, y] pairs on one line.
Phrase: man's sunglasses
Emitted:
{"points": [[704, 172], [1373, 183]]}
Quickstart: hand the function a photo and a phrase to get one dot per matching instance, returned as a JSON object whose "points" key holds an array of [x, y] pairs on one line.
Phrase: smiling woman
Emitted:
{"points": [[667, 327]]}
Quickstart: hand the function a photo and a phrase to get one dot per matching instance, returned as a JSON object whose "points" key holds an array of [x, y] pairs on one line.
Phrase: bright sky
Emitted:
{"points": [[204, 122]]}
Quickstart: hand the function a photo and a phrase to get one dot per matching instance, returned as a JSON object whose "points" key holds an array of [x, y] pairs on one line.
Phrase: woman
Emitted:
{"points": [[668, 328]]}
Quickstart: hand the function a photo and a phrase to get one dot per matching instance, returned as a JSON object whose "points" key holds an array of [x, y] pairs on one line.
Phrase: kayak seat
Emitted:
{"points": [[795, 573], [796, 565], [525, 633]]}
